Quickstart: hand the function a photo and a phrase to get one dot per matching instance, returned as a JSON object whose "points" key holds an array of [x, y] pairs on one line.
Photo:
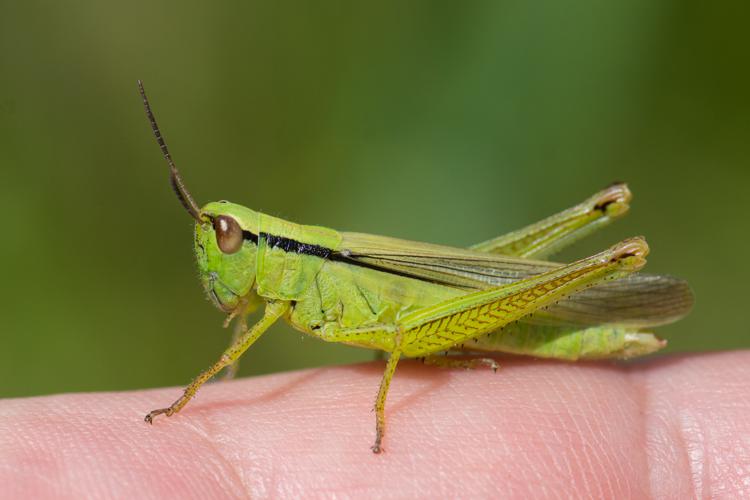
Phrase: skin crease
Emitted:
{"points": [[667, 427]]}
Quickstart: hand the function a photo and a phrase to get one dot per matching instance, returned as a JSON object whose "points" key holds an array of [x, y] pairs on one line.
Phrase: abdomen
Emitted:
{"points": [[569, 343]]}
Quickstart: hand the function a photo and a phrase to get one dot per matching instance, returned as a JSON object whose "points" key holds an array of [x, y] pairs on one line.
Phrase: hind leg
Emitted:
{"points": [[554, 233]]}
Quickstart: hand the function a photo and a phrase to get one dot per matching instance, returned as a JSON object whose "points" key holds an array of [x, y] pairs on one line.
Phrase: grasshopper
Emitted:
{"points": [[418, 300]]}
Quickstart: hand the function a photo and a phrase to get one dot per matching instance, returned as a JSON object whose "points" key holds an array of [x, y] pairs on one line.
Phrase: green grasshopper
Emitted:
{"points": [[418, 300]]}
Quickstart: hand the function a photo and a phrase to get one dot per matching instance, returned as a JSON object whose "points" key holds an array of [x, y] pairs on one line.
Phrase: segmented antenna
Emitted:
{"points": [[175, 178]]}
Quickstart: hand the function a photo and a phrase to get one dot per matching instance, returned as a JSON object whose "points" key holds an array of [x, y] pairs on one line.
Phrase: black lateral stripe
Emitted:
{"points": [[247, 235], [294, 246], [290, 245]]}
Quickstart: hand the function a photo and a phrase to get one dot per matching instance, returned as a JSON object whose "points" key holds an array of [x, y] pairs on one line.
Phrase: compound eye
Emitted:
{"points": [[228, 234]]}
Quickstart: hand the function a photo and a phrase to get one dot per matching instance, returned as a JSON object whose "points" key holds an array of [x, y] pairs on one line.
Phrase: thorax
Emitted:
{"points": [[349, 296]]}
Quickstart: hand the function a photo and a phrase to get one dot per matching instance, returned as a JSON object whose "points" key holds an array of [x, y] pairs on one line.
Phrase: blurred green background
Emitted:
{"points": [[440, 121]]}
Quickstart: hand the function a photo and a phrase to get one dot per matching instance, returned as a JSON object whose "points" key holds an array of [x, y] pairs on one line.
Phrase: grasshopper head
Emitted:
{"points": [[226, 241], [226, 246]]}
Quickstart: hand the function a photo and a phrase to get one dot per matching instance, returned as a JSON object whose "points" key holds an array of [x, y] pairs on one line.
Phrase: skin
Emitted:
{"points": [[672, 427]]}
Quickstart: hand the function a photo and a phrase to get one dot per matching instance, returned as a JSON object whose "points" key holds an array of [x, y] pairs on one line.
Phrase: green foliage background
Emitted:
{"points": [[441, 121]]}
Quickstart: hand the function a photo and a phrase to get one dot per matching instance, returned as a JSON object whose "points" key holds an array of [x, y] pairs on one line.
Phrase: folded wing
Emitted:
{"points": [[639, 300]]}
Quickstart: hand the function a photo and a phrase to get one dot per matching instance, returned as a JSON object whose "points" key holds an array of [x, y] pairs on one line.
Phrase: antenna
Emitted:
{"points": [[175, 178]]}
